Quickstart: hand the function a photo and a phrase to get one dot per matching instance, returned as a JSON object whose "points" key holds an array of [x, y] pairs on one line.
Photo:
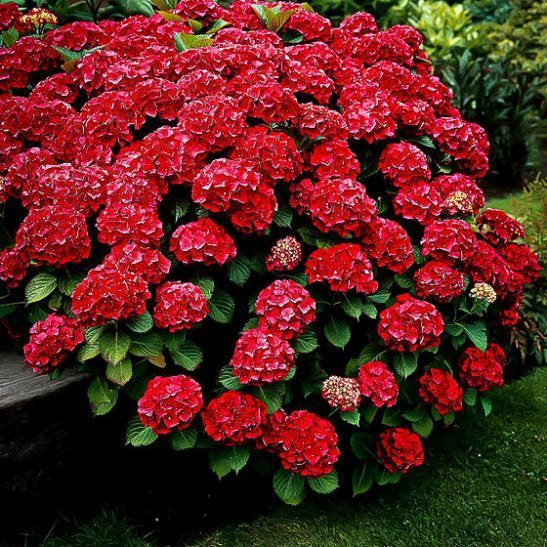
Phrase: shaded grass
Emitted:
{"points": [[483, 484]]}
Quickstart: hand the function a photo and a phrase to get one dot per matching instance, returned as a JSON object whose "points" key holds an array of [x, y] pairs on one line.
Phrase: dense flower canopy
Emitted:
{"points": [[285, 209]]}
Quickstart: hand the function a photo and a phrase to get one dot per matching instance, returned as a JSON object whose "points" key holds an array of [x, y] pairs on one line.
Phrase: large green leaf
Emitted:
{"points": [[290, 487], [272, 395], [224, 459], [120, 373], [183, 440], [114, 346], [139, 434], [326, 484], [239, 270], [221, 307], [477, 333], [306, 342], [362, 478], [141, 324], [337, 331], [102, 396], [146, 345], [405, 364], [188, 355], [423, 427], [40, 286]]}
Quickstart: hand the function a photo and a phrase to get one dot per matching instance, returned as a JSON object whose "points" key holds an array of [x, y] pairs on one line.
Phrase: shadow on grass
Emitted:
{"points": [[483, 484]]}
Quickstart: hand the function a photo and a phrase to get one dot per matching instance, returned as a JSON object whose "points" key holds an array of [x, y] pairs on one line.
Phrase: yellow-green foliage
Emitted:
{"points": [[446, 28]]}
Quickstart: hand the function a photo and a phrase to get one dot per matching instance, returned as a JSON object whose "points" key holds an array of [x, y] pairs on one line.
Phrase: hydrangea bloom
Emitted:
{"points": [[378, 383], [482, 371], [440, 389], [400, 449], [179, 306]]}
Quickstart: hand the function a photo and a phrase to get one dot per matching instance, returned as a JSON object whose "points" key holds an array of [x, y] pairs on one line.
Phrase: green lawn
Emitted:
{"points": [[483, 484]]}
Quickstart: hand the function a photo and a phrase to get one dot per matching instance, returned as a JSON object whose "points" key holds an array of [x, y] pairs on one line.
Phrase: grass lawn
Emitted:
{"points": [[483, 484]]}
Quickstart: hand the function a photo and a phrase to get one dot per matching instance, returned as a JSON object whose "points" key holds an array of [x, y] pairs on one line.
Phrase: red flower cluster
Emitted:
{"points": [[482, 371], [285, 308], [261, 357], [179, 306], [438, 388], [498, 227], [449, 239], [234, 418], [400, 449], [404, 165], [410, 325], [170, 403], [344, 267], [305, 443], [438, 280], [378, 383], [51, 341], [203, 241]]}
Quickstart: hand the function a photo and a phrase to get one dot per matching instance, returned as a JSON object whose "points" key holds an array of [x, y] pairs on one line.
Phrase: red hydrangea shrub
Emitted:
{"points": [[287, 211]]}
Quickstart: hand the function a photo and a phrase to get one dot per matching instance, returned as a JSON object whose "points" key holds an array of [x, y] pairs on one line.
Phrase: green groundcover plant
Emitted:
{"points": [[265, 230]]}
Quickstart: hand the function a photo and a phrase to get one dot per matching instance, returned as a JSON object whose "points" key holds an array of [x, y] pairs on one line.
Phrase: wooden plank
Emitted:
{"points": [[19, 384]]}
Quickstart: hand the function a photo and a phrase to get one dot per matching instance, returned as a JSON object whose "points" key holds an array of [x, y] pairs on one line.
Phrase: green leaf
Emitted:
{"points": [[219, 24], [278, 20], [188, 355], [283, 217], [272, 395], [453, 330], [120, 373], [88, 351], [10, 36], [146, 345], [221, 306], [362, 479], [369, 413], [352, 305], [181, 209], [165, 4], [386, 477], [39, 287], [102, 396], [185, 41], [325, 484], [360, 443], [141, 324], [381, 297], [134, 7], [337, 332], [114, 346], [370, 310], [405, 364], [92, 334], [306, 342], [228, 458], [477, 333], [6, 309], [289, 487], [68, 284], [470, 397], [424, 427], [139, 434], [415, 415], [239, 270], [351, 417], [227, 379], [391, 417], [486, 404], [418, 257], [403, 281], [183, 440], [207, 286]]}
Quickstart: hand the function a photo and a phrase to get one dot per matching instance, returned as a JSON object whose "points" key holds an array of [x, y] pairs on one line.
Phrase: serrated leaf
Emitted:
{"points": [[146, 345], [453, 330], [141, 324], [415, 415], [92, 334], [185, 41], [289, 487], [369, 413], [477, 333], [277, 21], [470, 397], [283, 217], [423, 427], [114, 346], [418, 257], [405, 364], [207, 285], [88, 351], [188, 355], [183, 440], [170, 16], [403, 281], [362, 479], [139, 434], [272, 395], [227, 379], [306, 342], [386, 477], [158, 360], [221, 307], [102, 396], [239, 270], [228, 458], [164, 4], [219, 24], [326, 484], [6, 309], [381, 297], [67, 284], [119, 373], [39, 287], [352, 417], [134, 7], [352, 305], [337, 332], [181, 209], [370, 310], [391, 417]]}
